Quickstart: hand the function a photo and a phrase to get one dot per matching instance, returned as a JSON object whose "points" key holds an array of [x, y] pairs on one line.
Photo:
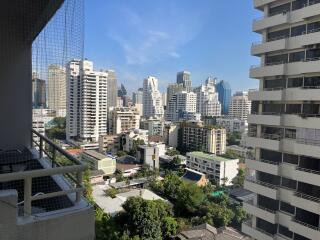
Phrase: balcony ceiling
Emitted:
{"points": [[29, 15]]}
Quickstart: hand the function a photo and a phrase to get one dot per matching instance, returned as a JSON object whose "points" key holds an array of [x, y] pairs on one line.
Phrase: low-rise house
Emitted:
{"points": [[207, 232], [195, 177], [128, 138], [109, 144], [98, 161], [128, 170], [149, 154], [219, 168]]}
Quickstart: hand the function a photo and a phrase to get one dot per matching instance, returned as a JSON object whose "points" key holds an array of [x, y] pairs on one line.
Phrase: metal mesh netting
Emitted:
{"points": [[60, 41]]}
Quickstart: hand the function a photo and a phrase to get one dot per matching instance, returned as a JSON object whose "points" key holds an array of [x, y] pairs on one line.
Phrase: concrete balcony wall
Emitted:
{"points": [[297, 121], [287, 145], [298, 94], [261, 3], [268, 22], [255, 233], [258, 49], [306, 177], [263, 143], [287, 170], [288, 18], [262, 166], [285, 44], [258, 212], [284, 218], [307, 150], [273, 120], [260, 189], [267, 71], [265, 95], [286, 194], [302, 67], [304, 230], [307, 204]]}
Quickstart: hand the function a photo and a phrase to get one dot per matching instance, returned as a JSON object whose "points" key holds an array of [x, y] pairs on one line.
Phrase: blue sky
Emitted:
{"points": [[138, 38]]}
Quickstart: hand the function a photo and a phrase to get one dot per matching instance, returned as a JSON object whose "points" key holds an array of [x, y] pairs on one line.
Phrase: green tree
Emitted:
{"points": [[121, 153], [238, 180], [135, 145], [171, 185], [172, 152], [169, 227], [189, 199], [148, 219], [111, 192], [216, 215]]}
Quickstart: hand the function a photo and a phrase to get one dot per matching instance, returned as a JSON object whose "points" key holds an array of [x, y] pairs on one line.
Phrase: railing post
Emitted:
{"points": [[53, 158], [41, 147], [79, 183], [27, 196]]}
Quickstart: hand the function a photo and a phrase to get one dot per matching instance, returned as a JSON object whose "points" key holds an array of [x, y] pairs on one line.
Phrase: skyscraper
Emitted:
{"points": [[174, 88], [57, 89], [284, 171], [240, 106], [184, 78], [207, 99], [38, 93], [87, 101], [152, 99], [224, 92], [112, 88]]}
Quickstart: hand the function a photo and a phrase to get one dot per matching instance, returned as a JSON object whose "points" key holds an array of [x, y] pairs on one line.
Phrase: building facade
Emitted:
{"points": [[153, 125], [87, 102], [152, 99], [184, 79], [224, 93], [180, 105], [195, 136], [122, 119], [137, 97], [221, 169], [57, 89], [240, 106], [109, 144], [207, 99], [284, 171], [233, 124], [174, 88], [97, 161], [112, 88], [38, 93]]}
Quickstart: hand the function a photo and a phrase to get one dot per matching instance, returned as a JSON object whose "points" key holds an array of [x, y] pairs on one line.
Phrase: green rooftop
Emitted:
{"points": [[210, 157]]}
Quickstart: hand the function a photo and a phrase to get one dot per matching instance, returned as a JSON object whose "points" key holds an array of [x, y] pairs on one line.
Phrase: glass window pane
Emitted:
{"points": [[299, 30]]}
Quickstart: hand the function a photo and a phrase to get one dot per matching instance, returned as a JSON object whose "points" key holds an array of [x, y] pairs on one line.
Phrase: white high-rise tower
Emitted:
{"points": [[152, 98]]}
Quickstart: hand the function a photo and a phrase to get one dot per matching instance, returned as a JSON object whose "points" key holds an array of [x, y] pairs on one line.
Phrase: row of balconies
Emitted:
{"points": [[281, 69], [282, 218], [276, 143], [288, 43], [290, 17], [277, 119]]}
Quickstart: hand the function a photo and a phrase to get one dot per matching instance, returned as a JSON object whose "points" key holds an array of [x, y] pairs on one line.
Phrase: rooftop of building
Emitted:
{"points": [[210, 157], [192, 175], [124, 167], [207, 232], [95, 154]]}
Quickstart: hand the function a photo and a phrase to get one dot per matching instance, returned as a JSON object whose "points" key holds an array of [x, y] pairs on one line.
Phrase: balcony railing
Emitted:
{"points": [[308, 170], [306, 224], [314, 142], [265, 184], [249, 224], [54, 174], [261, 207], [306, 196], [271, 136]]}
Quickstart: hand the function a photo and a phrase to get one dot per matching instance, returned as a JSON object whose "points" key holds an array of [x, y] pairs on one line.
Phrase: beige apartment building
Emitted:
{"points": [[284, 125], [122, 119], [195, 136]]}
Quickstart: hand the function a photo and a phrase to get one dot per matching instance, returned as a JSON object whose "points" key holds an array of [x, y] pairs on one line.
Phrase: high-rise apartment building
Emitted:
{"points": [[57, 89], [207, 99], [284, 126], [38, 93], [224, 91], [87, 101], [195, 136], [180, 105], [112, 88], [152, 99], [240, 106], [184, 79], [122, 119], [174, 88]]}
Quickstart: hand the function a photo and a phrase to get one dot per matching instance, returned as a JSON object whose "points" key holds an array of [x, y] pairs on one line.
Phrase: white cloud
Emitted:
{"points": [[174, 54]]}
